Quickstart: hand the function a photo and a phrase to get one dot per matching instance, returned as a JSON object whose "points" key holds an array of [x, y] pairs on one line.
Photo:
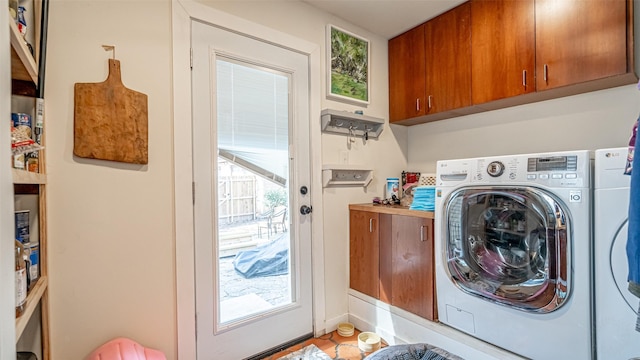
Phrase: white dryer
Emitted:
{"points": [[616, 308], [513, 252]]}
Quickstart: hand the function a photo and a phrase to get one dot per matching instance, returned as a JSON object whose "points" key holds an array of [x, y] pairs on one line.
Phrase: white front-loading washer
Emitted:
{"points": [[513, 252], [615, 307]]}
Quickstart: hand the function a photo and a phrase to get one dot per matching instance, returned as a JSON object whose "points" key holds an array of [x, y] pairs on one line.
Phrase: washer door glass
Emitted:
{"points": [[509, 245]]}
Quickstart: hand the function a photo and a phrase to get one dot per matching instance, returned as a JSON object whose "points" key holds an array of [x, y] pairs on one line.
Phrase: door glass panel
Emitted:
{"points": [[509, 245], [253, 195]]}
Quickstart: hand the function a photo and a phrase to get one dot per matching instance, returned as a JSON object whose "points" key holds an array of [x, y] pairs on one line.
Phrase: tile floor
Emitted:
{"points": [[336, 346]]}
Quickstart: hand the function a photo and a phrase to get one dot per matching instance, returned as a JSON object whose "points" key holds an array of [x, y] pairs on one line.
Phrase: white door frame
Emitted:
{"points": [[183, 11]]}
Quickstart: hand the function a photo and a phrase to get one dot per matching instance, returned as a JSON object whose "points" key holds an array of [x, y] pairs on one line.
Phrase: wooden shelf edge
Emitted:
{"points": [[21, 50], [534, 97], [27, 177], [33, 299]]}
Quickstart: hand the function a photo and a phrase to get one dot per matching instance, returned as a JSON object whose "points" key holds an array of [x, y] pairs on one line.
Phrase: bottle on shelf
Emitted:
{"points": [[22, 26], [13, 9], [21, 279]]}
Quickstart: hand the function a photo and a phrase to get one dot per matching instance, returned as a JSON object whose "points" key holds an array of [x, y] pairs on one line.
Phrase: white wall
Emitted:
{"points": [[589, 121], [110, 224], [386, 155]]}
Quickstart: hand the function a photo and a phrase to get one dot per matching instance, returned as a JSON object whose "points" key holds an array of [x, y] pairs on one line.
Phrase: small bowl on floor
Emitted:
{"points": [[345, 329], [368, 341]]}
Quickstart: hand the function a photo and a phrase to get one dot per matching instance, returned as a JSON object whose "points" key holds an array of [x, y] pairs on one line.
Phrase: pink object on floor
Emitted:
{"points": [[124, 349]]}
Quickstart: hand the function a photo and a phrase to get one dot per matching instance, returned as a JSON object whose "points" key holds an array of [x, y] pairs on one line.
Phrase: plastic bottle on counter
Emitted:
{"points": [[393, 188], [21, 279]]}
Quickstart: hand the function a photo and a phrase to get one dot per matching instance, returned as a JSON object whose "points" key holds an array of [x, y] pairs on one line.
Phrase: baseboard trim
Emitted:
{"points": [[332, 324], [397, 326]]}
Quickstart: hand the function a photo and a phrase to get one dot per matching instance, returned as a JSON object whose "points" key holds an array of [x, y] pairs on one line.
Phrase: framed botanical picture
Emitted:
{"points": [[348, 66]]}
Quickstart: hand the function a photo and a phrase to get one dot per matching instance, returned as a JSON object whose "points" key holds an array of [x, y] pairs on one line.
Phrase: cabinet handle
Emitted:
{"points": [[418, 104], [546, 69], [524, 78], [429, 102], [422, 238], [370, 225]]}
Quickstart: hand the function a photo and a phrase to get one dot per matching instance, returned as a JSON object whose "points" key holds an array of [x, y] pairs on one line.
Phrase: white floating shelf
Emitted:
{"points": [[339, 122], [346, 175]]}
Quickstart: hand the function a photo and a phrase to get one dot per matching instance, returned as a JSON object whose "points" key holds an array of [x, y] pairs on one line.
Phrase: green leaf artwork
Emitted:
{"points": [[349, 65]]}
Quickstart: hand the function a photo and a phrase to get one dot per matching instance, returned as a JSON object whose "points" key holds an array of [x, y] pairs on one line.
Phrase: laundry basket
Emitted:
{"points": [[427, 180]]}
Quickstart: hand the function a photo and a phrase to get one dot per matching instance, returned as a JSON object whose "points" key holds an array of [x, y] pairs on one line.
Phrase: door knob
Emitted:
{"points": [[305, 210]]}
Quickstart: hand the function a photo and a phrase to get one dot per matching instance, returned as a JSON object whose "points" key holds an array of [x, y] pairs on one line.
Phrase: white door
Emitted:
{"points": [[251, 162]]}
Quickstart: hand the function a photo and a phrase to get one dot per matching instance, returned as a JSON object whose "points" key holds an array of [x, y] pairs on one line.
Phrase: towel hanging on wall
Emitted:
{"points": [[633, 236]]}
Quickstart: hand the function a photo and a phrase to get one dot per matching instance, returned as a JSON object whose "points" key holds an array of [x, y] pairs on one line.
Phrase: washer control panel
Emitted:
{"points": [[561, 169], [564, 169]]}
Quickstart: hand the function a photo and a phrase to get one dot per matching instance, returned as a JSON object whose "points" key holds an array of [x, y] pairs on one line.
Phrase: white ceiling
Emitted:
{"points": [[386, 18]]}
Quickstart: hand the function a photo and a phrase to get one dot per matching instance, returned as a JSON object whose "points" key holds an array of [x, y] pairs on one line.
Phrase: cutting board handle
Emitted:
{"points": [[114, 71]]}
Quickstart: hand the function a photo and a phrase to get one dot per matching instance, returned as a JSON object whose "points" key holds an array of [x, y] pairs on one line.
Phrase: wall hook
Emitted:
{"points": [[110, 48]]}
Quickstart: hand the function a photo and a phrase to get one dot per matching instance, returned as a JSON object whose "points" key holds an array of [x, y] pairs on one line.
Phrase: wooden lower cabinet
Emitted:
{"points": [[410, 273], [364, 252], [404, 270]]}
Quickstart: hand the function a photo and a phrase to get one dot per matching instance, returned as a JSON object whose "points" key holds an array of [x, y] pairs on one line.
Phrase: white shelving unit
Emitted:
{"points": [[7, 248], [346, 175], [32, 327], [347, 123]]}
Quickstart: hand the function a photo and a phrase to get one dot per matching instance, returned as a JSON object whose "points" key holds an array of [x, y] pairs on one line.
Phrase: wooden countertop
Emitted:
{"points": [[392, 209]]}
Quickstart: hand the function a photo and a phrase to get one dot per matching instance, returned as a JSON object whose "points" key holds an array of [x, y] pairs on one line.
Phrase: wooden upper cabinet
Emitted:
{"points": [[406, 75], [448, 60], [503, 49], [508, 52], [579, 41], [364, 252]]}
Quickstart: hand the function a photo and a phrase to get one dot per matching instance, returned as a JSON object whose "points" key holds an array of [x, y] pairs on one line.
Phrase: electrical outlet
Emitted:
{"points": [[344, 157]]}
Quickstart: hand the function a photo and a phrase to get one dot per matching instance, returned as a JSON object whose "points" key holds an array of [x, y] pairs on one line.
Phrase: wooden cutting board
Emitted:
{"points": [[110, 121]]}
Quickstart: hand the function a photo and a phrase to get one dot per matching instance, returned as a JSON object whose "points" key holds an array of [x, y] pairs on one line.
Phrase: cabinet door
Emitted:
{"points": [[503, 49], [413, 265], [406, 75], [364, 252], [578, 41], [385, 232], [448, 60]]}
